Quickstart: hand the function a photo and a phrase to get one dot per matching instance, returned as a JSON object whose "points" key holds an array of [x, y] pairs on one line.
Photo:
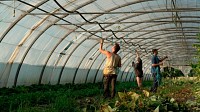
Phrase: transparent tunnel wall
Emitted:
{"points": [[44, 43]]}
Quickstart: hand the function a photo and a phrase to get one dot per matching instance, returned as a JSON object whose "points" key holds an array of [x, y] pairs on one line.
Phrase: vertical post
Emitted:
{"points": [[13, 8]]}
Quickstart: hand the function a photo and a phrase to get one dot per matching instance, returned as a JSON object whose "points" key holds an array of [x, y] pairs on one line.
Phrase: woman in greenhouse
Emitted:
{"points": [[113, 62], [138, 69], [155, 69]]}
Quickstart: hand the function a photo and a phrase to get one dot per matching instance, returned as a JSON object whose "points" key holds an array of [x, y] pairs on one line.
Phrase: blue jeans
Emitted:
{"points": [[155, 83]]}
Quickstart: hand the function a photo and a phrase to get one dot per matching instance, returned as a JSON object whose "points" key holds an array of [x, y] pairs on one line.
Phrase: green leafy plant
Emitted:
{"points": [[196, 66], [172, 72], [89, 97]]}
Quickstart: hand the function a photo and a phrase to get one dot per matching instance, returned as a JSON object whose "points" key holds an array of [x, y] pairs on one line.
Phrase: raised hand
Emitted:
{"points": [[102, 40]]}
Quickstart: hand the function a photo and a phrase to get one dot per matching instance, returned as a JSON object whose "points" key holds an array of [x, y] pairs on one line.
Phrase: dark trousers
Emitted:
{"points": [[107, 81], [155, 83]]}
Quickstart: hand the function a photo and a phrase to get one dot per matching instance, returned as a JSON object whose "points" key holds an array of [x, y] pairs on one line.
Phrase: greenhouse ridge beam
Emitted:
{"points": [[176, 37], [130, 12], [185, 21], [185, 31]]}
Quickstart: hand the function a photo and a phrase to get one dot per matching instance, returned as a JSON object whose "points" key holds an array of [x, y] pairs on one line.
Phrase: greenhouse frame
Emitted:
{"points": [[57, 41]]}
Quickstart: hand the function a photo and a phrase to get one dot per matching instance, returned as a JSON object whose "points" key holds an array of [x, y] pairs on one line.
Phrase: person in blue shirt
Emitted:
{"points": [[155, 69]]}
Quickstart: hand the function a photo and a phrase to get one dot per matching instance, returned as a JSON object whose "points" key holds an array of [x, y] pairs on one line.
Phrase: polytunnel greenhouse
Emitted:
{"points": [[50, 56]]}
